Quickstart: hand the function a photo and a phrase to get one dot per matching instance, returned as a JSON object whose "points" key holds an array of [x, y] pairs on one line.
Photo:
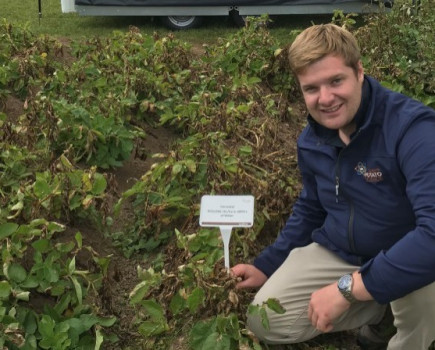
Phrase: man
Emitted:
{"points": [[362, 233]]}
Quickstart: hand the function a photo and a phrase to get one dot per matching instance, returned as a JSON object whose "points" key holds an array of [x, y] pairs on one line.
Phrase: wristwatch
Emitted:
{"points": [[345, 284]]}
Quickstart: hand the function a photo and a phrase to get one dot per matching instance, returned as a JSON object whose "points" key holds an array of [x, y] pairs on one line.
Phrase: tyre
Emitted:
{"points": [[181, 22]]}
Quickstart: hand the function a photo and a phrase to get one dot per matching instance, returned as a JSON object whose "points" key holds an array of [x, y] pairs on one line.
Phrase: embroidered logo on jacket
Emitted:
{"points": [[370, 175]]}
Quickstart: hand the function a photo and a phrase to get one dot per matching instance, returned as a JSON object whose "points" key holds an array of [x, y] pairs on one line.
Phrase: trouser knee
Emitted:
{"points": [[264, 328], [256, 326], [273, 328], [415, 314]]}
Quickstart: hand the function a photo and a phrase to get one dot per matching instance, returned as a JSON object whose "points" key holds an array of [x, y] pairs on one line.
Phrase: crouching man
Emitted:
{"points": [[361, 237]]}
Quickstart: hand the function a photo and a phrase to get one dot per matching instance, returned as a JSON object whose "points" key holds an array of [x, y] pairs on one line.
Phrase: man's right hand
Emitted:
{"points": [[251, 276]]}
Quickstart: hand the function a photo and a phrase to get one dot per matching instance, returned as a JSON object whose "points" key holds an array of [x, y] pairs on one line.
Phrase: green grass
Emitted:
{"points": [[54, 22]]}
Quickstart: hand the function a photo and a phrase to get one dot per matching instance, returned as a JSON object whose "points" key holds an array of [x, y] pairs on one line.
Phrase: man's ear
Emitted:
{"points": [[360, 71]]}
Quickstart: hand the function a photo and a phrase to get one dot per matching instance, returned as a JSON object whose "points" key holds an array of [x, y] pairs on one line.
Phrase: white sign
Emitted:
{"points": [[227, 211]]}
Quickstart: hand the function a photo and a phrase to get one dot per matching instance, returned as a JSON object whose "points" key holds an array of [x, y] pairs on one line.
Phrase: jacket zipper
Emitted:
{"points": [[350, 228], [352, 211]]}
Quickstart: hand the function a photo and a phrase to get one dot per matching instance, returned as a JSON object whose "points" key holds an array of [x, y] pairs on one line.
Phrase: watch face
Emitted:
{"points": [[344, 282]]}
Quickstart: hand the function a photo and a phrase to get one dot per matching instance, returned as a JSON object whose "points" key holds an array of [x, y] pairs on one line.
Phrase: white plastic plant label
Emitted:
{"points": [[233, 211], [226, 212]]}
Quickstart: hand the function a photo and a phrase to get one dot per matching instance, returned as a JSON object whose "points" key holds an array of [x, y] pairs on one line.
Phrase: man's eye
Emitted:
{"points": [[336, 81]]}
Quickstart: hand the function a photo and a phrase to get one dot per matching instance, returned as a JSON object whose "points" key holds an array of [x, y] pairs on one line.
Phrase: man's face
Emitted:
{"points": [[332, 92]]}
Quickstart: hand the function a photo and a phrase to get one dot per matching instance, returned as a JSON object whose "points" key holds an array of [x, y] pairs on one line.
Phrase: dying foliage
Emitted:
{"points": [[236, 112]]}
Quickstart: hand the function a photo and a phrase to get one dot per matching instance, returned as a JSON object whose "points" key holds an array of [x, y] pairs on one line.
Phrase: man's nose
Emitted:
{"points": [[325, 95]]}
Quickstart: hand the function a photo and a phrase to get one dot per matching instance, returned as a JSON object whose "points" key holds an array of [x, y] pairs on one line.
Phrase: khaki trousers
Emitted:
{"points": [[313, 267]]}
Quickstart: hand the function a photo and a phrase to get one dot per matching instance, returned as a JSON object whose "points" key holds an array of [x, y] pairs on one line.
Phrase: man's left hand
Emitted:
{"points": [[326, 305]]}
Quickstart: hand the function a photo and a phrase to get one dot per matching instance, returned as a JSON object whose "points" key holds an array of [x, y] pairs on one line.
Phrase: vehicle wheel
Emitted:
{"points": [[181, 22]]}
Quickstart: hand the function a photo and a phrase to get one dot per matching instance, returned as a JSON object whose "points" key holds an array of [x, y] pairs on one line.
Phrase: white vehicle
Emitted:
{"points": [[183, 14]]}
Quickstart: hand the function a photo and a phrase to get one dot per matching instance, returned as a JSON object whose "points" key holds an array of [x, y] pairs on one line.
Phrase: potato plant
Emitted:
{"points": [[236, 112], [398, 49]]}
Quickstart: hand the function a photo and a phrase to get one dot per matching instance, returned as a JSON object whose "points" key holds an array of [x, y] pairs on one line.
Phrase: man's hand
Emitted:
{"points": [[251, 276], [326, 305]]}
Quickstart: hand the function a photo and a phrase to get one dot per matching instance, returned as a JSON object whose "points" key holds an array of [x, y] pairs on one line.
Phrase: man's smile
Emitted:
{"points": [[331, 109]]}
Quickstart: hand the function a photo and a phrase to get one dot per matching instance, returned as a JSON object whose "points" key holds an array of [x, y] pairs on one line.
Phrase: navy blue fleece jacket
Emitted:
{"points": [[371, 202]]}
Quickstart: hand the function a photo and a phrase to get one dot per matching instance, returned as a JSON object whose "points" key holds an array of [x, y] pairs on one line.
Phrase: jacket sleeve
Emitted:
{"points": [[410, 263], [307, 215]]}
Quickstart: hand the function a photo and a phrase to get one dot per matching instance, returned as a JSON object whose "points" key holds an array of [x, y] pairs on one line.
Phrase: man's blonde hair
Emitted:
{"points": [[318, 41]]}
